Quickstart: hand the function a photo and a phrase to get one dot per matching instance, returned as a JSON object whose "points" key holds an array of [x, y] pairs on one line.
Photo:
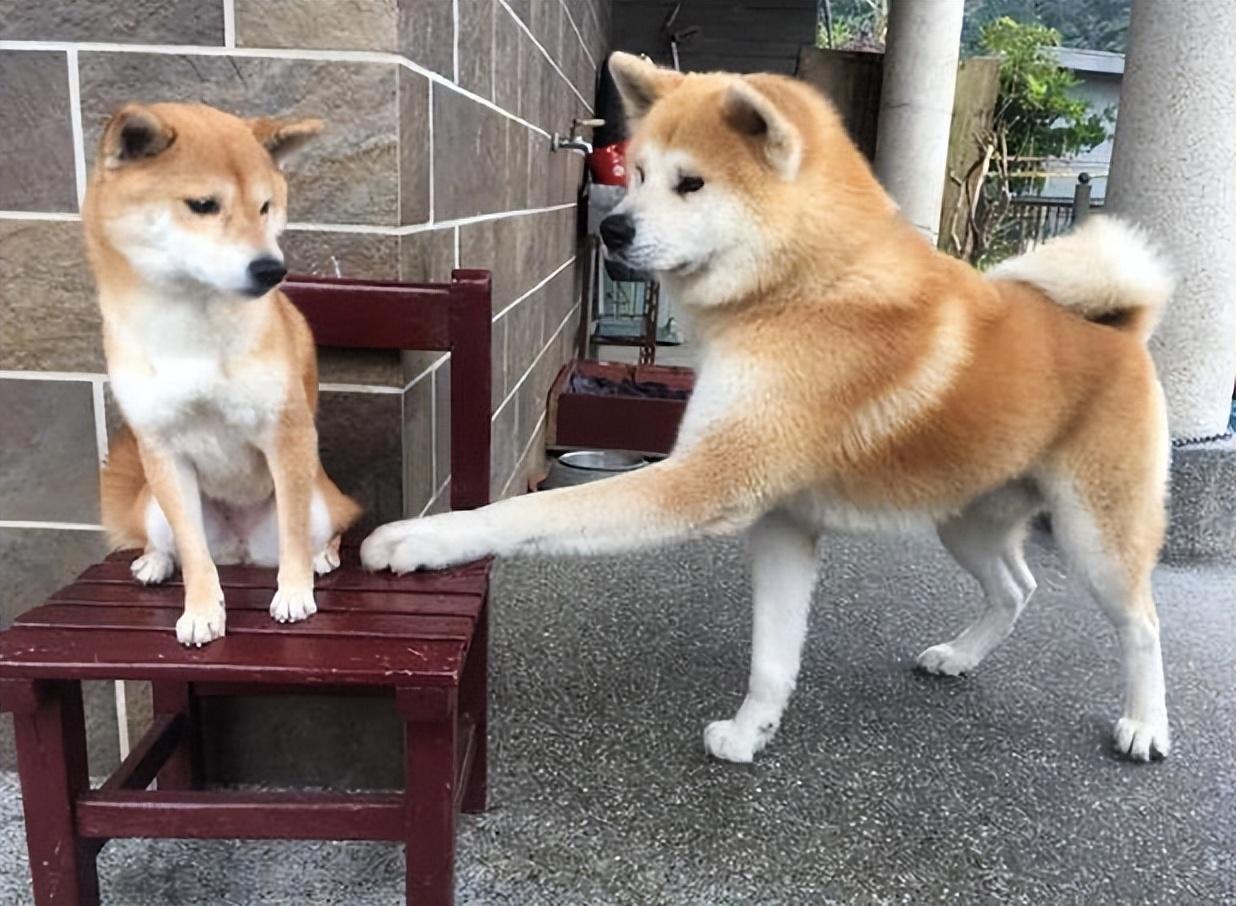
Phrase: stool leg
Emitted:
{"points": [[429, 796], [183, 768], [474, 702], [51, 760]]}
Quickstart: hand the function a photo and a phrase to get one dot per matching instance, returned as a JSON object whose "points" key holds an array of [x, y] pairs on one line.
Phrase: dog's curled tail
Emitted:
{"points": [[123, 493], [1105, 270]]}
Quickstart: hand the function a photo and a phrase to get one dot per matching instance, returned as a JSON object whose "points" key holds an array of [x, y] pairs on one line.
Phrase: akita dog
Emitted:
{"points": [[852, 378], [213, 368]]}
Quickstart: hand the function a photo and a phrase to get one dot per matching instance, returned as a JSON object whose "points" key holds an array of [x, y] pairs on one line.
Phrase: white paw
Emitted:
{"points": [[152, 567], [431, 543], [732, 741], [202, 624], [945, 660], [293, 605], [327, 560], [1142, 740]]}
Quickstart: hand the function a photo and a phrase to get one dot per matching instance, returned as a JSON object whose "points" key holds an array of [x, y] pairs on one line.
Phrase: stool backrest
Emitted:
{"points": [[452, 317]]}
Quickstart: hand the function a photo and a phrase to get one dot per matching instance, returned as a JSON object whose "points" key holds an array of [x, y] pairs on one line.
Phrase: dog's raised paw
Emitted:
{"points": [[293, 605], [200, 625], [1142, 740], [326, 561], [152, 567], [944, 660], [726, 740]]}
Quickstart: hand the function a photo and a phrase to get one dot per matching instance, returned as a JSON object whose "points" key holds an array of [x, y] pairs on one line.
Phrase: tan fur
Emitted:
{"points": [[151, 159], [854, 376]]}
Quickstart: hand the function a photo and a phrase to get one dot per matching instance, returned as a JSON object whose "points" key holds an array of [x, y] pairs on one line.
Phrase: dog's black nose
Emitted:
{"points": [[266, 272], [617, 230]]}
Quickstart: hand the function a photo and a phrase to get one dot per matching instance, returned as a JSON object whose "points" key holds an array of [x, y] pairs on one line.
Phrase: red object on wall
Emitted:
{"points": [[608, 164]]}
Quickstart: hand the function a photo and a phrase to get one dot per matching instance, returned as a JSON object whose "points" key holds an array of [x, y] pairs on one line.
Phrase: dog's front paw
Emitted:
{"points": [[152, 567], [731, 741], [435, 542], [945, 660], [1142, 740], [291, 605], [201, 623]]}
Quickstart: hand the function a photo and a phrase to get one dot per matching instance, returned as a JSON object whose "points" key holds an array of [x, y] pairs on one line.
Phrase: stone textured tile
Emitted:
{"points": [[524, 338], [441, 503], [36, 563], [360, 436], [498, 363], [427, 34], [427, 257], [348, 174], [335, 254], [36, 139], [468, 150], [508, 83], [375, 367], [49, 461], [540, 163], [418, 446], [534, 79], [476, 46], [414, 154], [442, 423], [137, 21], [49, 319], [517, 148], [522, 9], [502, 449], [329, 24], [302, 740]]}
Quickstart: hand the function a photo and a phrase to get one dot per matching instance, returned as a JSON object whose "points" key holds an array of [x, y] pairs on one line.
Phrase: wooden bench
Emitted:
{"points": [[419, 639]]}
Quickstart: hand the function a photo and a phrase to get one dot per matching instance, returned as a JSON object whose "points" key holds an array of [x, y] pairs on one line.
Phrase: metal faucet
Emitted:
{"points": [[575, 142]]}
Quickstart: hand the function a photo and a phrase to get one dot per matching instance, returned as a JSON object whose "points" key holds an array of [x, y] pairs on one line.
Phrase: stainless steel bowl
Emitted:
{"points": [[582, 466]]}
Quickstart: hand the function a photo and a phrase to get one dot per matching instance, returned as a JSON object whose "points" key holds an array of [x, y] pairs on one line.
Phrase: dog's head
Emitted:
{"points": [[727, 172], [193, 198]]}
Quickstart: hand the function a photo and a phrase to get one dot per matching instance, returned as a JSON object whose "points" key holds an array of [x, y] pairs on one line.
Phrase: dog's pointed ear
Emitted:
{"points": [[134, 133], [640, 83], [282, 137], [753, 115]]}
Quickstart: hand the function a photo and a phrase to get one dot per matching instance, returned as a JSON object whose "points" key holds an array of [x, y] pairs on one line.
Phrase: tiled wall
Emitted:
{"points": [[436, 155]]}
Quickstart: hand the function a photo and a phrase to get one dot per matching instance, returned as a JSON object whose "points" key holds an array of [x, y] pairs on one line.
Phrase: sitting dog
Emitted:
{"points": [[213, 368], [854, 378]]}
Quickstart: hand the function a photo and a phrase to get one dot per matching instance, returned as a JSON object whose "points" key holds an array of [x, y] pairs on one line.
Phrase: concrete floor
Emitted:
{"points": [[883, 787]]}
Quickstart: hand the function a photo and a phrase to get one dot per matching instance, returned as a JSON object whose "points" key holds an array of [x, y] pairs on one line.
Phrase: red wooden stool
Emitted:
{"points": [[419, 639]]}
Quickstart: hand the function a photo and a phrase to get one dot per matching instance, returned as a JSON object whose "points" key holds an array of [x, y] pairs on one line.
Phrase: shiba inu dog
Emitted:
{"points": [[213, 368], [854, 378]]}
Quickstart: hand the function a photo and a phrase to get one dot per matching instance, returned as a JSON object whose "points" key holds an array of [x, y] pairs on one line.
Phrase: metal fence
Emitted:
{"points": [[1033, 219]]}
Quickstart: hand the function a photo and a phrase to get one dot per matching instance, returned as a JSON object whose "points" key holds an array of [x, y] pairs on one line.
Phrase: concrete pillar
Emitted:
{"points": [[916, 105], [1174, 172]]}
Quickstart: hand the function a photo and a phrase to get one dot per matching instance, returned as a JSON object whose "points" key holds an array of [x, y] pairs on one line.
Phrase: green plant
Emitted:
{"points": [[1036, 120], [1035, 113]]}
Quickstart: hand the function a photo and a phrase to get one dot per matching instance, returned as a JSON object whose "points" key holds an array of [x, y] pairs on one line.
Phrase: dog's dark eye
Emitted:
{"points": [[688, 184], [265, 208], [203, 205], [640, 171]]}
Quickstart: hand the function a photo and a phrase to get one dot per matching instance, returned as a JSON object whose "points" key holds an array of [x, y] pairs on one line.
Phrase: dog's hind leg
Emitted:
{"points": [[1111, 540], [158, 559], [783, 573], [1106, 488], [987, 539]]}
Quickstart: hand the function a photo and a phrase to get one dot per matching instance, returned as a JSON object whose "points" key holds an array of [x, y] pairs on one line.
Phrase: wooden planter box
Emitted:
{"points": [[599, 406]]}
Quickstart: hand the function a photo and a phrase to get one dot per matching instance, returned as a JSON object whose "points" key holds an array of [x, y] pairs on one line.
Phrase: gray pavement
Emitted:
{"points": [[883, 786]]}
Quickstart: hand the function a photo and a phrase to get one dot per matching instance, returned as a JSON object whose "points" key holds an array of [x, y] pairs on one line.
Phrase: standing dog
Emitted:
{"points": [[854, 378], [213, 368]]}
